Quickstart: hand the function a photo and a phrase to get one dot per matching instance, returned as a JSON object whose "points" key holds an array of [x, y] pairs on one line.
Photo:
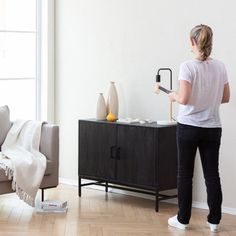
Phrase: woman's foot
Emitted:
{"points": [[213, 227], [173, 221]]}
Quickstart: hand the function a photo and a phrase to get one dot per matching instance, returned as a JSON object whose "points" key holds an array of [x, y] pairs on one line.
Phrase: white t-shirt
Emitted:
{"points": [[207, 79]]}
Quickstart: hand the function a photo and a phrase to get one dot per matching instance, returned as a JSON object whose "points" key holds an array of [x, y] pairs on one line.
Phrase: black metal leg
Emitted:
{"points": [[79, 186], [106, 188], [157, 200], [42, 195]]}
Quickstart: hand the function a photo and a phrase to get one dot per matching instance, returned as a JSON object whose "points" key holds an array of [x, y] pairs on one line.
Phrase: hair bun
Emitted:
{"points": [[202, 34]]}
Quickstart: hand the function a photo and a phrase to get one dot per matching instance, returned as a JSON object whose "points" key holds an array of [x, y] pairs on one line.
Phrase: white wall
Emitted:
{"points": [[127, 41]]}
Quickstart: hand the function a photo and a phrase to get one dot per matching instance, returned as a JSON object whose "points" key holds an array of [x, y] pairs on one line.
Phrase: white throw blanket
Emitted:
{"points": [[21, 159]]}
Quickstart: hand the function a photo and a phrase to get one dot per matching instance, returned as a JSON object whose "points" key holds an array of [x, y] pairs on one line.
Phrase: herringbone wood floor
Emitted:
{"points": [[99, 214]]}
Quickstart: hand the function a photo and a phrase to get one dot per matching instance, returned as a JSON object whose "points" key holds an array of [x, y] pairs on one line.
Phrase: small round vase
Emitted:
{"points": [[112, 100], [111, 117], [101, 108]]}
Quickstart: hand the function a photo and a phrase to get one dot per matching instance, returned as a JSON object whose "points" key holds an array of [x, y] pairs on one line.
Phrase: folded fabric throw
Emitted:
{"points": [[21, 159]]}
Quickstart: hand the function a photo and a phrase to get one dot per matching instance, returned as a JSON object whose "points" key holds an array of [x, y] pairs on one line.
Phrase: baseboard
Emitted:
{"points": [[200, 205], [68, 181]]}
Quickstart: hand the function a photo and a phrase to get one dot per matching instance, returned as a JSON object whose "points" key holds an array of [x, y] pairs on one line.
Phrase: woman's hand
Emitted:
{"points": [[183, 96], [173, 96]]}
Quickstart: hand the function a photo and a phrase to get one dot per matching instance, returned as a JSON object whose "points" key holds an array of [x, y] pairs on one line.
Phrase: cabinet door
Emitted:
{"points": [[136, 162], [95, 143], [166, 153]]}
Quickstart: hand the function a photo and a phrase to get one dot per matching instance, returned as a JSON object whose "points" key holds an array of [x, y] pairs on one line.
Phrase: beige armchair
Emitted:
{"points": [[49, 146]]}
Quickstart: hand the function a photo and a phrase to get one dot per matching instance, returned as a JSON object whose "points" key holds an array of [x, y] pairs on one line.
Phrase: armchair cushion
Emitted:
{"points": [[5, 123], [48, 171]]}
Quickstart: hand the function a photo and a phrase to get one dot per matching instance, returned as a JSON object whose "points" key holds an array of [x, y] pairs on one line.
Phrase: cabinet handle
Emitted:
{"points": [[113, 152]]}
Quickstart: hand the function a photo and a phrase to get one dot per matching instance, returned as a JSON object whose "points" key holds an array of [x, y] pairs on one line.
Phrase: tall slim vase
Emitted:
{"points": [[101, 108], [112, 100]]}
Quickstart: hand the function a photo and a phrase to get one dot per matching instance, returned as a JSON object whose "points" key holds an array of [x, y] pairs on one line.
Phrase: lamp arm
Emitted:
{"points": [[158, 77]]}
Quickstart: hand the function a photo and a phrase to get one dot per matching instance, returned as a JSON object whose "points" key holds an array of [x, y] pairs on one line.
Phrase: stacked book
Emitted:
{"points": [[52, 206]]}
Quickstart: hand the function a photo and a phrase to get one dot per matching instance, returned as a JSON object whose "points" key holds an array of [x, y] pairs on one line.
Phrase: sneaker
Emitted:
{"points": [[173, 221], [213, 227]]}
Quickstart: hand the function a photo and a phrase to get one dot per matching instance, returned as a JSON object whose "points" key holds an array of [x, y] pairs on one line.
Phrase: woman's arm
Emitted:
{"points": [[183, 96], [226, 94]]}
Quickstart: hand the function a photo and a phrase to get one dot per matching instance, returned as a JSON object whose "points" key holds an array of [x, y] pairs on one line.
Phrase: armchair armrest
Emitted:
{"points": [[49, 142], [49, 146]]}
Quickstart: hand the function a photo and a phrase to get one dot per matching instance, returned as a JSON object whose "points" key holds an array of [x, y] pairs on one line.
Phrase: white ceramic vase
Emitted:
{"points": [[112, 100], [101, 108]]}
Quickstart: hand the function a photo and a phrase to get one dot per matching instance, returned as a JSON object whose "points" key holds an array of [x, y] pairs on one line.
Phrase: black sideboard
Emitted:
{"points": [[120, 155]]}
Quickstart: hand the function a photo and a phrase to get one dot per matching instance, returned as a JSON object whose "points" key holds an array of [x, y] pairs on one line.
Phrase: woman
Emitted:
{"points": [[203, 87]]}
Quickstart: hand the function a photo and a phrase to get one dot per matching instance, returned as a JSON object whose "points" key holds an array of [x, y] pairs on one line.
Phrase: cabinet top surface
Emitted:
{"points": [[151, 125]]}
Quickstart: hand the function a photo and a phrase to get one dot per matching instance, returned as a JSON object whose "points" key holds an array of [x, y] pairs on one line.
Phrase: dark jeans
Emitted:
{"points": [[207, 140]]}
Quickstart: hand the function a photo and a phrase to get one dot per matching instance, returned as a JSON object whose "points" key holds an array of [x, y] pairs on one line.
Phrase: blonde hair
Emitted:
{"points": [[202, 35]]}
